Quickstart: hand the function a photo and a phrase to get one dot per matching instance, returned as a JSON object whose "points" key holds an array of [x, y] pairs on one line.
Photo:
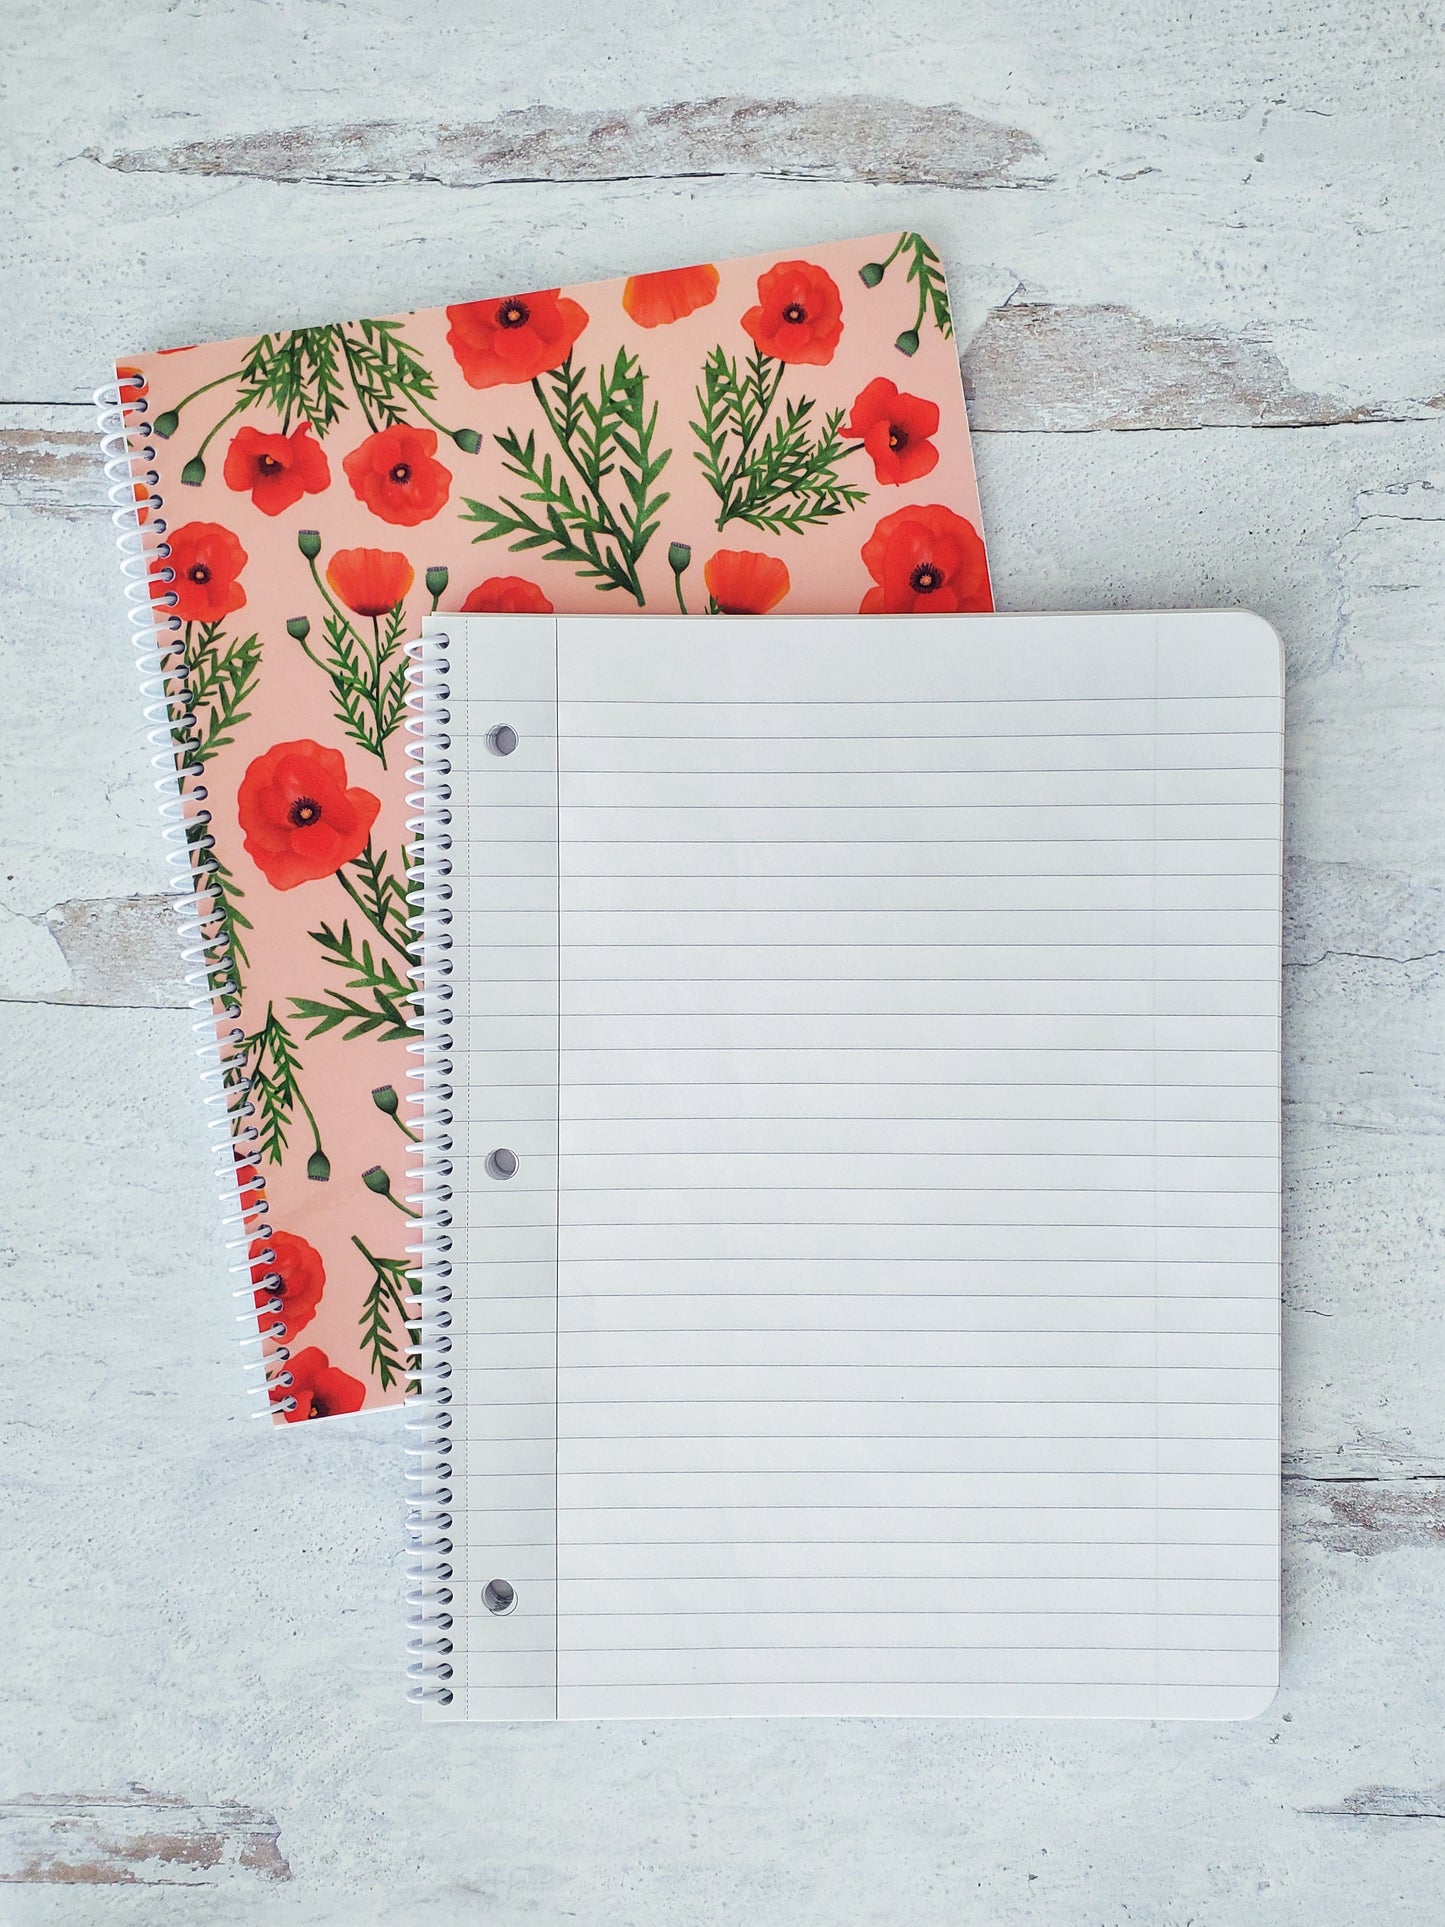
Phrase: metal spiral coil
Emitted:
{"points": [[139, 516], [429, 1421]]}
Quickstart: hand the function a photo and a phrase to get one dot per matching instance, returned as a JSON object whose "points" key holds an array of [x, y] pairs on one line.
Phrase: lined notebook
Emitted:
{"points": [[852, 1186]]}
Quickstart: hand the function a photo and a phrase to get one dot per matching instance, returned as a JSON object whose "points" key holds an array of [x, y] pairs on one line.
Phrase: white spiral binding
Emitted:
{"points": [[139, 515], [429, 1423]]}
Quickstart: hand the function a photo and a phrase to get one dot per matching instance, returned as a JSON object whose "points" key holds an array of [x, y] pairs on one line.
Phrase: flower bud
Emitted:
{"points": [[309, 543], [318, 1166], [907, 342], [436, 581], [871, 273], [467, 440], [194, 472], [166, 425], [376, 1180], [679, 555], [385, 1099], [298, 628]]}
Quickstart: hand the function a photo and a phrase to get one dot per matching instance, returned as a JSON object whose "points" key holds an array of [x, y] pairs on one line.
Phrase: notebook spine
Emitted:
{"points": [[429, 1421], [158, 639]]}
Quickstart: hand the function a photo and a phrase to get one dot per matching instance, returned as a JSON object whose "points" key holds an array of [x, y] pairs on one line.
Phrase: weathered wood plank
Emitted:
{"points": [[1034, 366], [138, 1839], [1254, 181], [1367, 1516], [52, 471], [853, 137], [120, 951]]}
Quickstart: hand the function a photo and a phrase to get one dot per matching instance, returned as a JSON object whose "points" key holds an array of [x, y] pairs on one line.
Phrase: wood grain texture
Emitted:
{"points": [[51, 471], [1195, 223], [855, 137], [1366, 1516], [140, 1840], [1036, 367], [119, 951]]}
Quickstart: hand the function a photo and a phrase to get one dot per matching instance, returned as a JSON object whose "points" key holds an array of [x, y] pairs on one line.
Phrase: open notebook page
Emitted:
{"points": [[883, 1016]]}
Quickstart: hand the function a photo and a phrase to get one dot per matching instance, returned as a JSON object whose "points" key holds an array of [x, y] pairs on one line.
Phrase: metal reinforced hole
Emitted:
{"points": [[501, 1163], [502, 740], [498, 1596]]}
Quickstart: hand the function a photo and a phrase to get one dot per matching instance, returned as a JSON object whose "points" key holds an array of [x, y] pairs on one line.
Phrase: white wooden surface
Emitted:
{"points": [[1207, 226]]}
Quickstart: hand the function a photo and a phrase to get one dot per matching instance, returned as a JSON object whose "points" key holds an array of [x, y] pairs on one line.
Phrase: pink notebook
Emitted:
{"points": [[782, 433]]}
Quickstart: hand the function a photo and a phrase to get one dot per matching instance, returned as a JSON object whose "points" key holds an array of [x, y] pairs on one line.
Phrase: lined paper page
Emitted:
{"points": [[916, 1290]]}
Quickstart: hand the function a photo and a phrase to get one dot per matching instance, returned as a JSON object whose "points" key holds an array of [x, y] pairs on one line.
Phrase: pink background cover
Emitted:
{"points": [[411, 503]]}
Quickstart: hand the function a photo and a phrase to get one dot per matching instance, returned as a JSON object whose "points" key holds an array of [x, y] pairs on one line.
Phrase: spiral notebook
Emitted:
{"points": [[852, 1084], [785, 431]]}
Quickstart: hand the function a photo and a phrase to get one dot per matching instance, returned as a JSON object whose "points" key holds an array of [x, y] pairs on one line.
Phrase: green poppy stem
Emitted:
{"points": [[315, 1127], [376, 688], [204, 389], [373, 694], [386, 1270], [371, 918], [244, 402], [359, 388], [593, 485], [431, 420]]}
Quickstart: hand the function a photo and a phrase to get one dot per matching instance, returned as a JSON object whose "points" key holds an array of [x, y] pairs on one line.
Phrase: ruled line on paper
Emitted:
{"points": [[667, 1253]]}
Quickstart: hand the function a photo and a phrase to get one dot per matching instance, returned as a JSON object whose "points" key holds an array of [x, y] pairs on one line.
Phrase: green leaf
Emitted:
{"points": [[785, 482], [391, 1295], [602, 527], [368, 675], [314, 374], [925, 271], [384, 1007], [222, 919], [269, 1057]]}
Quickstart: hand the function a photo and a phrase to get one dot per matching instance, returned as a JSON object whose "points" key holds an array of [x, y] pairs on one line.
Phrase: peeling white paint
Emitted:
{"points": [[1236, 226]]}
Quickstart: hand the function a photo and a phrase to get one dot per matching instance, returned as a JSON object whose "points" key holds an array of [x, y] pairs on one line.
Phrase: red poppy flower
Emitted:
{"points": [[394, 474], [277, 469], [799, 316], [515, 339], [295, 1275], [206, 560], [925, 560], [655, 299], [370, 581], [743, 582], [319, 1388], [894, 429], [508, 595], [301, 821]]}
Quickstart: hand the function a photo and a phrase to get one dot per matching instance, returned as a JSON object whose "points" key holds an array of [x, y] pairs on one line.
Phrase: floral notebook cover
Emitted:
{"points": [[785, 432]]}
